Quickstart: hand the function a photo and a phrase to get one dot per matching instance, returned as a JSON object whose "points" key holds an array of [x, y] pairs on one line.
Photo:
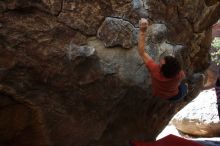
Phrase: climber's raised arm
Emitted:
{"points": [[143, 24]]}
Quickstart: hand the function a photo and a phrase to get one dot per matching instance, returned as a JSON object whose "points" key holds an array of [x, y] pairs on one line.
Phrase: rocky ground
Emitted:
{"points": [[205, 99], [170, 129]]}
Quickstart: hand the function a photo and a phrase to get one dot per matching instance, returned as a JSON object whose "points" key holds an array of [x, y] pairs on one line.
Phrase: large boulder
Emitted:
{"points": [[200, 117], [61, 85], [212, 75]]}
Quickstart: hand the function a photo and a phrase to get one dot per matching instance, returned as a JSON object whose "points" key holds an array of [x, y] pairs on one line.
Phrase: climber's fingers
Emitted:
{"points": [[143, 24]]}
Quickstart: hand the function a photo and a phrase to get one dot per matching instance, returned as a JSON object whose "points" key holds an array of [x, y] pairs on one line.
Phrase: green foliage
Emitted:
{"points": [[216, 54], [216, 42]]}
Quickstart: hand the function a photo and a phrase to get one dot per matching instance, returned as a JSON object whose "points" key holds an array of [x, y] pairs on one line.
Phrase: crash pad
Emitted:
{"points": [[170, 140]]}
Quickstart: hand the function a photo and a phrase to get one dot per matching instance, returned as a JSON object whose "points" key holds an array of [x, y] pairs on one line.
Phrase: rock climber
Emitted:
{"points": [[166, 76]]}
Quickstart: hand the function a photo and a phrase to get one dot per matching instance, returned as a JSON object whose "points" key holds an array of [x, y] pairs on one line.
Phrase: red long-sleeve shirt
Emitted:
{"points": [[163, 87]]}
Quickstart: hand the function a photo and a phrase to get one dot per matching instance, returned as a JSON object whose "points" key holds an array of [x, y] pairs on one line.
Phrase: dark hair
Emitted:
{"points": [[171, 67]]}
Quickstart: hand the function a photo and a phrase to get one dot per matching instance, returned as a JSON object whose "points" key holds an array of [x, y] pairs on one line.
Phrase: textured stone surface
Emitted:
{"points": [[212, 74], [83, 16], [52, 6], [114, 32], [200, 117], [67, 88]]}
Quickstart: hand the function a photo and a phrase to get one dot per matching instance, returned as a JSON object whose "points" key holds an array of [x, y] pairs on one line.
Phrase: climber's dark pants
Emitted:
{"points": [[183, 90], [218, 107], [217, 90]]}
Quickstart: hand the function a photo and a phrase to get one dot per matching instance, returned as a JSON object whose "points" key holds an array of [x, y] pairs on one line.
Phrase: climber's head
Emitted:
{"points": [[170, 66]]}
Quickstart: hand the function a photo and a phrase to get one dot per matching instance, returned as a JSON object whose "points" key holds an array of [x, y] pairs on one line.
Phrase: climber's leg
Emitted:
{"points": [[218, 107]]}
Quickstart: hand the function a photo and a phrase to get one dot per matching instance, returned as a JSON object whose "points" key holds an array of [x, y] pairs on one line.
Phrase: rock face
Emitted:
{"points": [[70, 73], [212, 74], [200, 117], [216, 30], [116, 31]]}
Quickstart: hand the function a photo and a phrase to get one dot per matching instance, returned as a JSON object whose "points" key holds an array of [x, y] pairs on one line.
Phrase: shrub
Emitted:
{"points": [[215, 55]]}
